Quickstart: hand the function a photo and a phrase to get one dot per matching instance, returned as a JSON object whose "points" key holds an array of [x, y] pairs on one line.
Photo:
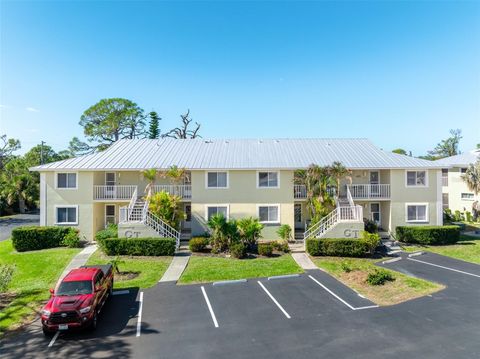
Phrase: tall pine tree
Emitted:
{"points": [[154, 130]]}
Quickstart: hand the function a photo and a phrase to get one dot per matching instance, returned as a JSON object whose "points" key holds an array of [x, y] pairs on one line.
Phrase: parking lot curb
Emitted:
{"points": [[415, 254], [225, 282], [283, 276], [392, 260]]}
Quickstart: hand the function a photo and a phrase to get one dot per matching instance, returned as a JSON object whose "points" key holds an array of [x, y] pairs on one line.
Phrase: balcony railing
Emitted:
{"points": [[300, 191], [120, 192], [370, 191], [183, 191]]}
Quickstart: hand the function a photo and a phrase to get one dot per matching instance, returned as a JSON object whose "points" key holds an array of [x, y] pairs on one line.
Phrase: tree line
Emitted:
{"points": [[104, 123]]}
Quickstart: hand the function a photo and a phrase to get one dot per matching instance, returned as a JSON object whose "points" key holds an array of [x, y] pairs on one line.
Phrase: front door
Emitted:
{"points": [[374, 181], [375, 213], [298, 216], [110, 181]]}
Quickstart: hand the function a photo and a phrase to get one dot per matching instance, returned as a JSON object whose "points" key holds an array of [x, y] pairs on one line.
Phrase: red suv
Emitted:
{"points": [[78, 299]]}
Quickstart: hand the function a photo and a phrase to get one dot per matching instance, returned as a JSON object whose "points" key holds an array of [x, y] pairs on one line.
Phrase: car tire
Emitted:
{"points": [[93, 324], [47, 333]]}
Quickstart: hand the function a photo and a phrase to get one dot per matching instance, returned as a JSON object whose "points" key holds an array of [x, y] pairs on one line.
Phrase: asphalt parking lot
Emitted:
{"points": [[311, 315]]}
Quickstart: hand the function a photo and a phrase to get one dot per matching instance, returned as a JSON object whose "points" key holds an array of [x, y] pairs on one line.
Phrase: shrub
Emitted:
{"points": [[224, 233], [72, 239], [250, 231], [468, 216], [110, 232], [370, 226], [285, 232], [428, 234], [32, 238], [281, 246], [115, 262], [168, 208], [379, 277], [340, 247], [458, 216], [265, 249], [198, 244], [372, 240], [346, 267], [139, 246], [447, 215], [6, 274], [238, 250]]}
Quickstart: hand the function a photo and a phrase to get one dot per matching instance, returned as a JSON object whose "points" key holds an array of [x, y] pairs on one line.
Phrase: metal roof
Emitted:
{"points": [[197, 154], [463, 159]]}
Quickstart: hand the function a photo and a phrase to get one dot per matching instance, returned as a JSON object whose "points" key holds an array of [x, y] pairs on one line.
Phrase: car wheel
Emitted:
{"points": [[93, 326], [47, 333]]}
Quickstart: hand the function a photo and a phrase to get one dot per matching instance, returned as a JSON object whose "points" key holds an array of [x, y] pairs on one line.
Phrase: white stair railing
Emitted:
{"points": [[162, 228]]}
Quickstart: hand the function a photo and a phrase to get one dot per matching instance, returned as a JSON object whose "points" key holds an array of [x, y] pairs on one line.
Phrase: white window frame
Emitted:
{"points": [[114, 215], [427, 213], [269, 205], [206, 180], [467, 199], [207, 206], [66, 188], [268, 187], [416, 185], [115, 180], [66, 206], [379, 212]]}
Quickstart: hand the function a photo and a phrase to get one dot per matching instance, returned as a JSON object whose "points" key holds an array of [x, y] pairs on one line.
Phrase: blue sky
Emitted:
{"points": [[399, 73]]}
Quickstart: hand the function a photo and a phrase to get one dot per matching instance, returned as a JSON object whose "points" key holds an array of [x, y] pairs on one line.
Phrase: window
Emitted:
{"points": [[467, 196], [417, 178], [110, 214], [417, 212], [188, 213], [445, 177], [268, 180], [445, 200], [213, 210], [67, 215], [110, 179], [217, 179], [66, 180], [463, 170], [269, 214]]}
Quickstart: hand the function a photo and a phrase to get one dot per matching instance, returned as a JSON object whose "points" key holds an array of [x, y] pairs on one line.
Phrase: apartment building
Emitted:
{"points": [[239, 178]]}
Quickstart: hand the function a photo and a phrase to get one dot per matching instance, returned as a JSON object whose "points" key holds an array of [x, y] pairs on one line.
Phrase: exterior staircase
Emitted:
{"points": [[391, 245]]}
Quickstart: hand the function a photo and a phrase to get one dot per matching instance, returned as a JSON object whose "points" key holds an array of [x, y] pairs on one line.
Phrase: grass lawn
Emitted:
{"points": [[142, 272], [403, 288], [202, 269], [35, 273], [467, 249]]}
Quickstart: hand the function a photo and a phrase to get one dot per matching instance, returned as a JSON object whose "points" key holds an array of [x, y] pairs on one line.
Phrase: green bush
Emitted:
{"points": [[110, 232], [238, 250], [32, 238], [370, 226], [72, 239], [6, 273], [285, 232], [428, 234], [447, 215], [139, 246], [281, 246], [372, 240], [458, 216], [340, 247], [198, 244], [468, 216], [379, 277], [265, 249], [346, 267]]}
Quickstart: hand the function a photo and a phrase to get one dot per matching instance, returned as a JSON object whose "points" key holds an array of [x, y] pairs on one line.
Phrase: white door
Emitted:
{"points": [[298, 216], [375, 213], [374, 183], [110, 181], [110, 217]]}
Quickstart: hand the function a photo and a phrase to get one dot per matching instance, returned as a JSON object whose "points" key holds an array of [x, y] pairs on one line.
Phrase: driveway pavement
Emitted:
{"points": [[7, 224], [306, 316]]}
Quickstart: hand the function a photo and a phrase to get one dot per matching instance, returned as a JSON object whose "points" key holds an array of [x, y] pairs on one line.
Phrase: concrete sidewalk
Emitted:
{"points": [[177, 266], [304, 261], [80, 259]]}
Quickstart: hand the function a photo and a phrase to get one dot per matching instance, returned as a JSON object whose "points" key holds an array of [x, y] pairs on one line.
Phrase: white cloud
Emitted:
{"points": [[32, 109]]}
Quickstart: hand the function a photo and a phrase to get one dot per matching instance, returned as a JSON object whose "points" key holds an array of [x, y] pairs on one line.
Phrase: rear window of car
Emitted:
{"points": [[75, 287]]}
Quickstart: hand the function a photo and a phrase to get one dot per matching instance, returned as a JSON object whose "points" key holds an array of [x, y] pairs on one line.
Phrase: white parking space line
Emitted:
{"points": [[53, 339], [214, 318], [274, 300], [139, 317], [340, 299], [447, 268]]}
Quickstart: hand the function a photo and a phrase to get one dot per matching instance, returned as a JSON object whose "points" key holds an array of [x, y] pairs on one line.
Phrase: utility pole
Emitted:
{"points": [[41, 152]]}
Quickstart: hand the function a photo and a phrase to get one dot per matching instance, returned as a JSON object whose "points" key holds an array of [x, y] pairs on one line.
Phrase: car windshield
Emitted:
{"points": [[74, 288]]}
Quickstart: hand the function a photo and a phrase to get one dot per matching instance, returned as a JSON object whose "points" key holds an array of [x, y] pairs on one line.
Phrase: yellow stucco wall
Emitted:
{"points": [[456, 186]]}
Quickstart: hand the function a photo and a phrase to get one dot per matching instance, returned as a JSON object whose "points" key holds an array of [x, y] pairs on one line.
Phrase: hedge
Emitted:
{"points": [[339, 247], [428, 234], [198, 244], [30, 238], [138, 246]]}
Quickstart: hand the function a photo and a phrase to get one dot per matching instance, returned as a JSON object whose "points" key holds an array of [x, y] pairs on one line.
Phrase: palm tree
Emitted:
{"points": [[472, 177], [339, 171], [150, 175], [18, 184], [175, 175]]}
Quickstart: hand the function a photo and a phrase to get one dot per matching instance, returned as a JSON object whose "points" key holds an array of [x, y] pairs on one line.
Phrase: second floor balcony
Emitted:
{"points": [[126, 192], [300, 191], [370, 191]]}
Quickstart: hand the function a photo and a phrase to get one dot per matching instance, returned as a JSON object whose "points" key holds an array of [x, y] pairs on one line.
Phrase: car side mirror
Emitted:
{"points": [[51, 291]]}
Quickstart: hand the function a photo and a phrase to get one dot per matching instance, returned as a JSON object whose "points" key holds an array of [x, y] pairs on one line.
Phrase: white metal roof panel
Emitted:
{"points": [[463, 159], [194, 154]]}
